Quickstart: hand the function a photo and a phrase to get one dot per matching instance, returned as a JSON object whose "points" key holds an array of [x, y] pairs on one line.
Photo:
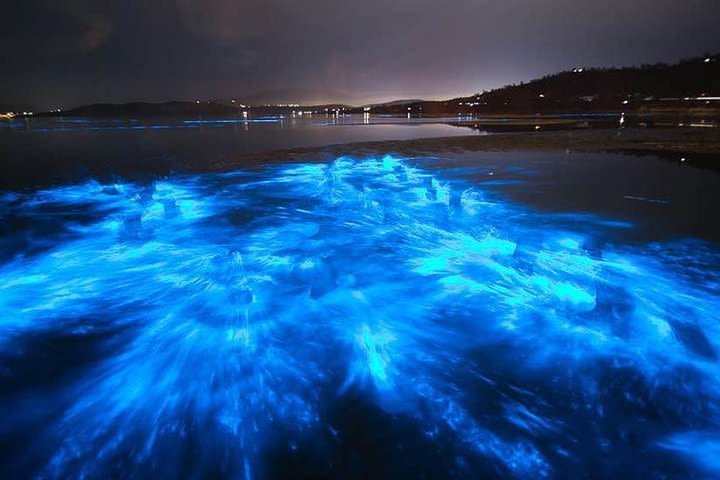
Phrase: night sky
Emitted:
{"points": [[61, 53]]}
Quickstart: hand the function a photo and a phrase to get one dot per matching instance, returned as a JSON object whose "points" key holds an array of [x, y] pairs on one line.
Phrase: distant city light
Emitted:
{"points": [[701, 98]]}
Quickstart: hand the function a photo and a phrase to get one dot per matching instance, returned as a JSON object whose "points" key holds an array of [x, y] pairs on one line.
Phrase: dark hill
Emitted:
{"points": [[673, 88], [596, 89], [144, 109]]}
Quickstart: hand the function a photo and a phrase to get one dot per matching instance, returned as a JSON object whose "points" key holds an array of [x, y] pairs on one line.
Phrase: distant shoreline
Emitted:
{"points": [[697, 146], [688, 147]]}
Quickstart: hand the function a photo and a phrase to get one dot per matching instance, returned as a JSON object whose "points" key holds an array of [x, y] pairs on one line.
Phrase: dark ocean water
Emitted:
{"points": [[478, 315], [42, 151]]}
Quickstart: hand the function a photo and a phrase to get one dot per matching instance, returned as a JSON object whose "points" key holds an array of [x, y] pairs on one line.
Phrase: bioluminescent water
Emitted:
{"points": [[365, 318]]}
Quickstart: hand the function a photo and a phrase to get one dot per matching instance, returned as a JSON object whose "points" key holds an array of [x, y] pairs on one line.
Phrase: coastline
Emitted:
{"points": [[60, 162], [698, 146]]}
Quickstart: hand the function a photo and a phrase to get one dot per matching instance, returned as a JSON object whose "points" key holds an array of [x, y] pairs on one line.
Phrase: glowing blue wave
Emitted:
{"points": [[228, 315]]}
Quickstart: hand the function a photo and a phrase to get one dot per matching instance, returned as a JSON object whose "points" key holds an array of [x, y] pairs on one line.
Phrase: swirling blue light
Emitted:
{"points": [[226, 313]]}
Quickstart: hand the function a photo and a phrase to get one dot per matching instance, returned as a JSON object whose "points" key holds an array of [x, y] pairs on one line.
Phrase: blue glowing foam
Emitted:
{"points": [[235, 308]]}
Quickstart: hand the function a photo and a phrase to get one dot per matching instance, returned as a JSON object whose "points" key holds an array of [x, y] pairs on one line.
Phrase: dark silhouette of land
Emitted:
{"points": [[686, 86], [691, 87]]}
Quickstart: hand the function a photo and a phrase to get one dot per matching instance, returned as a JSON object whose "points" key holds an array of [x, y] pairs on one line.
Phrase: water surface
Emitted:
{"points": [[39, 151], [474, 315]]}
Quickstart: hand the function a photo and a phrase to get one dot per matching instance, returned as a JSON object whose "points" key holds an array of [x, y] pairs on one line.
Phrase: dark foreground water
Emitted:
{"points": [[34, 152], [488, 316]]}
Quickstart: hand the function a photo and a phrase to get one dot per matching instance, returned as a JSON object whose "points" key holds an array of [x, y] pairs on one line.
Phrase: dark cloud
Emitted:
{"points": [[65, 52]]}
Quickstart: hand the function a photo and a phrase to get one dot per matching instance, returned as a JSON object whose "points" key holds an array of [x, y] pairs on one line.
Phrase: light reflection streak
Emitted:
{"points": [[226, 308]]}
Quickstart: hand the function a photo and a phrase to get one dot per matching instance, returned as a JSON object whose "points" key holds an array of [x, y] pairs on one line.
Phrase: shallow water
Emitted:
{"points": [[71, 149], [378, 317]]}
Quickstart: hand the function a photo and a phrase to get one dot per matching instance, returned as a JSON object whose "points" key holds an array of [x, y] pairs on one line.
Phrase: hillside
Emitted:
{"points": [[151, 109], [595, 89], [689, 86]]}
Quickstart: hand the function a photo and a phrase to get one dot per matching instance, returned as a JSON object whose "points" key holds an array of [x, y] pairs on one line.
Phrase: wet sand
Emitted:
{"points": [[698, 146]]}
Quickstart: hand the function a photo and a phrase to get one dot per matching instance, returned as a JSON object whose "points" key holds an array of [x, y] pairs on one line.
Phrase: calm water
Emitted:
{"points": [[62, 150], [478, 315]]}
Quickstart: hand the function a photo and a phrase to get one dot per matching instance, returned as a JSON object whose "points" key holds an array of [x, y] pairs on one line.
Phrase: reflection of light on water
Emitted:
{"points": [[232, 306]]}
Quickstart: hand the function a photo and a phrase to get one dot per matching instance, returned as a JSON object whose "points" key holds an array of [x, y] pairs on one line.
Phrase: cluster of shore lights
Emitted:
{"points": [[8, 115], [335, 111], [702, 98]]}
